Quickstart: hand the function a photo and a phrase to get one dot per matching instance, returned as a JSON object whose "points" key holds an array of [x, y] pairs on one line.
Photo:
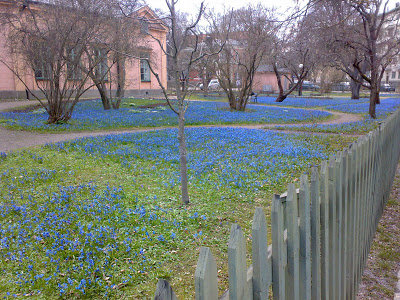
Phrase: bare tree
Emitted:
{"points": [[295, 55], [205, 66], [362, 37], [47, 40], [118, 35], [248, 42], [183, 54]]}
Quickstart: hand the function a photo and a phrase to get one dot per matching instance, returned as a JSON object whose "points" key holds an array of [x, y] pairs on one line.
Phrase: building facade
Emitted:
{"points": [[139, 81]]}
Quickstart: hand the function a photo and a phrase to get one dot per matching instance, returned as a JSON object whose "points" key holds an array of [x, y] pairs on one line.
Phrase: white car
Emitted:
{"points": [[214, 84]]}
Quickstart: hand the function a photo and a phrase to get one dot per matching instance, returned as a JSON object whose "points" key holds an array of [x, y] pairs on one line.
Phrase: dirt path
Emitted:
{"points": [[380, 273], [12, 139]]}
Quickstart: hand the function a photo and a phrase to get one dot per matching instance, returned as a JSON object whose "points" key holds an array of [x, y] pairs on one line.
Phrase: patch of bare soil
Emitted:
{"points": [[380, 274], [27, 109]]}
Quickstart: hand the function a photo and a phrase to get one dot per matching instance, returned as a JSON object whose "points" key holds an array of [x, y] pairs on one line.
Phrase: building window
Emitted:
{"points": [[73, 63], [393, 75], [101, 68], [42, 70], [144, 26], [144, 68]]}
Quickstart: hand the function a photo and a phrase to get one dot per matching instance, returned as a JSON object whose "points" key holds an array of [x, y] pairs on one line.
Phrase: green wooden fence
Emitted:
{"points": [[321, 233]]}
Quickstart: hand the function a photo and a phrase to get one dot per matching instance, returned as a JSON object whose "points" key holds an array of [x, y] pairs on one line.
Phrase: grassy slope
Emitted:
{"points": [[141, 183]]}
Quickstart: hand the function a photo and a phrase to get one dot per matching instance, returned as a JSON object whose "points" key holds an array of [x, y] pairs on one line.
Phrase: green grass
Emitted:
{"points": [[132, 102], [143, 184]]}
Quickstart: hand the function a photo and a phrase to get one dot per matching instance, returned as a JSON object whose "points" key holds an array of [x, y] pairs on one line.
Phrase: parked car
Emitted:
{"points": [[307, 86], [212, 85], [386, 87], [341, 86]]}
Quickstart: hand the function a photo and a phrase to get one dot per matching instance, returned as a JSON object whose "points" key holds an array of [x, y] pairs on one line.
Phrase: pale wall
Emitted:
{"points": [[268, 78]]}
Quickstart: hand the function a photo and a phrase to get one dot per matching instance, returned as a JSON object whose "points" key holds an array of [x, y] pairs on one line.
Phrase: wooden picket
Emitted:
{"points": [[206, 276], [321, 233], [305, 238], [262, 271]]}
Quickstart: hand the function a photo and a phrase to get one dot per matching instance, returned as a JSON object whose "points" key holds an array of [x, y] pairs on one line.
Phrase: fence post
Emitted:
{"points": [[305, 238], [338, 250], [350, 222], [357, 208], [324, 189], [237, 269], [206, 286], [279, 250], [261, 262], [164, 291], [292, 280], [315, 236], [332, 229], [345, 182]]}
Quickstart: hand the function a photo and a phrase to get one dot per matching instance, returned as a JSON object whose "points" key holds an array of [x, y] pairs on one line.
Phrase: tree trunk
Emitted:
{"points": [[103, 94], [373, 100], [280, 97], [232, 100], [183, 157], [301, 89], [355, 89], [120, 93]]}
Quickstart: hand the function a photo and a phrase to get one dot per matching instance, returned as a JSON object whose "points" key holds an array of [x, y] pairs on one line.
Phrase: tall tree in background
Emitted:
{"points": [[48, 39], [249, 39], [118, 35], [295, 53], [363, 39]]}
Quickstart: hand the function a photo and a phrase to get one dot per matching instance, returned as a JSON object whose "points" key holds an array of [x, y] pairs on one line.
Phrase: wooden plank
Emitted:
{"points": [[206, 286], [324, 189], [237, 264], [278, 250], [305, 238], [315, 235], [332, 228], [338, 250], [164, 291], [293, 244], [261, 264], [344, 221], [350, 220], [363, 205], [356, 222]]}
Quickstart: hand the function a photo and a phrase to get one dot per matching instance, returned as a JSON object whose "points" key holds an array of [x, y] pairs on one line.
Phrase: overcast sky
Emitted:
{"points": [[191, 6]]}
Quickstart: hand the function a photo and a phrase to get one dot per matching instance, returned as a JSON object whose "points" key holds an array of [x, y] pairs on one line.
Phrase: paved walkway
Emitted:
{"points": [[12, 139]]}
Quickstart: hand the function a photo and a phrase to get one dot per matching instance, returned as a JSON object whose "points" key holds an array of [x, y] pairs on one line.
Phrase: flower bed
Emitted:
{"points": [[90, 115]]}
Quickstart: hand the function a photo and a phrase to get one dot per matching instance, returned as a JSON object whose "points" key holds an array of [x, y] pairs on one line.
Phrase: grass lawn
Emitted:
{"points": [[89, 115], [101, 216]]}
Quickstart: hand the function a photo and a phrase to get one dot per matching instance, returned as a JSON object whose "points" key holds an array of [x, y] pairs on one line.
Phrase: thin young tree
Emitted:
{"points": [[183, 54]]}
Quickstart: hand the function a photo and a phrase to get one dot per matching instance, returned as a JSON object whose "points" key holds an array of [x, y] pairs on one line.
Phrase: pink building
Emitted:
{"points": [[265, 79], [139, 81]]}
